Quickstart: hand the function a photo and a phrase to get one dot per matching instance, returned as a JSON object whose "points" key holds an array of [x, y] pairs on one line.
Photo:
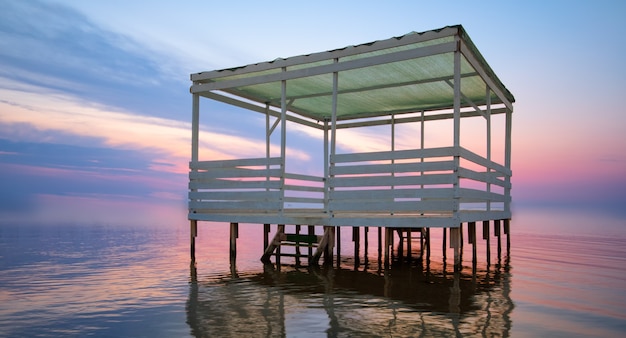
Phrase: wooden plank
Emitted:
{"points": [[391, 206], [291, 187], [389, 168], [472, 157], [482, 177], [468, 195], [394, 155], [242, 162], [372, 181], [225, 184], [382, 194], [235, 195], [300, 177], [234, 173], [304, 200], [236, 205]]}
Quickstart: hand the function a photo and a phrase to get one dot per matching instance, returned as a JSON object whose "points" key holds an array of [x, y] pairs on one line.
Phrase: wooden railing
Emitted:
{"points": [[406, 183], [400, 182], [236, 186]]}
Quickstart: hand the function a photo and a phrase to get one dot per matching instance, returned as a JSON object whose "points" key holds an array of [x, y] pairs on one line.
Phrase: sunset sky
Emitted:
{"points": [[95, 107]]}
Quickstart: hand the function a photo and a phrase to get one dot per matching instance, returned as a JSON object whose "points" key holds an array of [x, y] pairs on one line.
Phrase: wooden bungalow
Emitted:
{"points": [[417, 78]]}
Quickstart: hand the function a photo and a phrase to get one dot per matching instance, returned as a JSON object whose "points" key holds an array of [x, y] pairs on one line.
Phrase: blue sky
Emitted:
{"points": [[95, 104]]}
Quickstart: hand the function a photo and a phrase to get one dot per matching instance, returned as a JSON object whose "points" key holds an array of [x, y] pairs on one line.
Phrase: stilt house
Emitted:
{"points": [[419, 79]]}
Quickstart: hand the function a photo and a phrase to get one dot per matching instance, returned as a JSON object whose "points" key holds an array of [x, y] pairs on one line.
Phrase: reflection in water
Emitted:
{"points": [[404, 300]]}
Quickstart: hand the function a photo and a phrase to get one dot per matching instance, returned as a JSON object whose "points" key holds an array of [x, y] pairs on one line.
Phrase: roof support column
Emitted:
{"points": [[326, 167], [333, 133], [195, 126], [488, 115], [507, 159], [457, 125], [283, 138]]}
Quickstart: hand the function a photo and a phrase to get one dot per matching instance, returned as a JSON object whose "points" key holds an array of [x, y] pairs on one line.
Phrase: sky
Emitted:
{"points": [[95, 107]]}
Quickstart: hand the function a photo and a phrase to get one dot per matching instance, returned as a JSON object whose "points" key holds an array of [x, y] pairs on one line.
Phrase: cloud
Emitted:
{"points": [[56, 47]]}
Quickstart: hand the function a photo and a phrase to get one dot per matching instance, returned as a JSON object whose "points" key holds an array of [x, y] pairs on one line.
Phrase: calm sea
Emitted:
{"points": [[565, 275]]}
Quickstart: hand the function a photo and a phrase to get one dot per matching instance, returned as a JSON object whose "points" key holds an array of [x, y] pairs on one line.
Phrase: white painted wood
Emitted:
{"points": [[304, 177], [292, 187], [397, 155], [242, 162], [374, 181], [388, 194], [416, 207], [469, 56], [236, 205], [326, 69], [473, 157], [393, 168], [234, 195], [227, 184], [234, 173], [485, 177]]}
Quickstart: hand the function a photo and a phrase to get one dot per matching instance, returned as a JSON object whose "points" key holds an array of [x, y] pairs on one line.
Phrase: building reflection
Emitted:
{"points": [[402, 300]]}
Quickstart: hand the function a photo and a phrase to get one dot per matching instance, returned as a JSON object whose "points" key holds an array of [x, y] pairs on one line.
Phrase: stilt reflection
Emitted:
{"points": [[402, 300]]}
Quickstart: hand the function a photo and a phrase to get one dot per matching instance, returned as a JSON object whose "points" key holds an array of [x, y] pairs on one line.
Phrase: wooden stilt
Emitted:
{"points": [[193, 233], [388, 234], [356, 238], [428, 249], [298, 245], [338, 236], [266, 235], [455, 243], [365, 245], [507, 231], [234, 234], [409, 245], [461, 241], [380, 246], [471, 236], [486, 237], [496, 225], [443, 245], [311, 233], [274, 245]]}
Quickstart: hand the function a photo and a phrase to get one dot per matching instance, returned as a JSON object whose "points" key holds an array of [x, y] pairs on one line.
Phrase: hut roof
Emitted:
{"points": [[409, 73]]}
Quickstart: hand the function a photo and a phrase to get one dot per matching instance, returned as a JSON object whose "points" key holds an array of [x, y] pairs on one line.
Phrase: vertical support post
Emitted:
{"points": [[195, 135], [356, 238], [195, 126], [471, 234], [457, 125], [507, 160], [380, 246], [388, 234], [455, 243], [338, 237], [283, 139], [234, 234], [333, 132], [193, 231], [326, 170], [311, 232], [280, 230], [443, 246], [486, 237], [298, 245], [507, 231], [488, 103], [409, 245], [428, 249], [266, 236], [365, 245], [496, 225]]}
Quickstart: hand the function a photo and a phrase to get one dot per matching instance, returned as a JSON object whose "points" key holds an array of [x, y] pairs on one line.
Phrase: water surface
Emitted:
{"points": [[562, 277]]}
